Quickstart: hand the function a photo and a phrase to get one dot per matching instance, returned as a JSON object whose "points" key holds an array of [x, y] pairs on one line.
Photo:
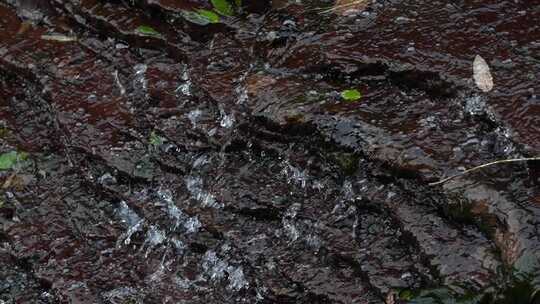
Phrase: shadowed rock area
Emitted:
{"points": [[166, 158]]}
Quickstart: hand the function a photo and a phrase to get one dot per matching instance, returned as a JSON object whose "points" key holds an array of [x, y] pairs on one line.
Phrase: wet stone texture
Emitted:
{"points": [[218, 163]]}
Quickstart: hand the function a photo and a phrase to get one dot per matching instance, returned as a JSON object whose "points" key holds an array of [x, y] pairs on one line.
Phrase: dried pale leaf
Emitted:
{"points": [[482, 75], [24, 27], [256, 83], [277, 4], [59, 38]]}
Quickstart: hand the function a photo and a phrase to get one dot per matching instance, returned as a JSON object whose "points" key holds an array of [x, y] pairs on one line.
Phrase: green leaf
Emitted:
{"points": [[10, 159], [351, 95], [209, 15], [200, 17], [406, 295], [223, 7], [3, 132], [156, 140], [147, 30], [238, 3]]}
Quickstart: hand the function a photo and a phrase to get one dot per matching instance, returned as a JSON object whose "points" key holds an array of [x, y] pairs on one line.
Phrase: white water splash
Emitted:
{"points": [[194, 116], [154, 237], [294, 175], [237, 280], [201, 161], [133, 222], [183, 283], [120, 294], [186, 87], [227, 120], [476, 105], [107, 178], [313, 241], [289, 227], [178, 244], [158, 275], [190, 224], [216, 269], [347, 190], [140, 81], [242, 93], [241, 90], [302, 231], [119, 83], [195, 188]]}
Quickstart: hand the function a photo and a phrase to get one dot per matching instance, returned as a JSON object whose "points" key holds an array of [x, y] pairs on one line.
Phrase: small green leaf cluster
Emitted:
{"points": [[155, 140], [205, 17], [351, 95], [10, 159], [146, 30]]}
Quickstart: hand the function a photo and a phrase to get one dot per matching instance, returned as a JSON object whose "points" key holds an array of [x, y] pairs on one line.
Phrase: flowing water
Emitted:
{"points": [[218, 163]]}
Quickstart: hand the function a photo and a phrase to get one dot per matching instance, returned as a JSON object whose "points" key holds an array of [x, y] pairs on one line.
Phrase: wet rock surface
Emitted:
{"points": [[218, 163]]}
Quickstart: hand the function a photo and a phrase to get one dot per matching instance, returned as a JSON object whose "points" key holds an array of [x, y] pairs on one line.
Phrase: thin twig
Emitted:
{"points": [[338, 7], [442, 181]]}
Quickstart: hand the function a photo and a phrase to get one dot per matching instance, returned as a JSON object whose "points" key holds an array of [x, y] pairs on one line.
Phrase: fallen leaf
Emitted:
{"points": [[8, 181], [482, 75]]}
